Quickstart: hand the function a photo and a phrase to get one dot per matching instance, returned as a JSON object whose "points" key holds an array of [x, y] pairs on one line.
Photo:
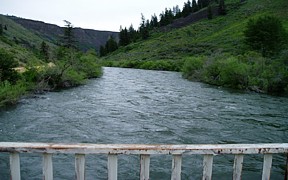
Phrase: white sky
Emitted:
{"points": [[90, 14]]}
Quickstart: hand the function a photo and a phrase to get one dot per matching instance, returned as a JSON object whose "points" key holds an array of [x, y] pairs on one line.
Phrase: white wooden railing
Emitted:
{"points": [[80, 150]]}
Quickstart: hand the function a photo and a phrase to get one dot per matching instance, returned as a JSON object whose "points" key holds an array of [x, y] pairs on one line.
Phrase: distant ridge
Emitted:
{"points": [[86, 38]]}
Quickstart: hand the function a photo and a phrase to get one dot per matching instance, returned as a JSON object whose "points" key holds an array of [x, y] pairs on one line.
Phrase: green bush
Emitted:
{"points": [[9, 93], [193, 67], [7, 63], [72, 78], [265, 34], [88, 65], [233, 73], [211, 71]]}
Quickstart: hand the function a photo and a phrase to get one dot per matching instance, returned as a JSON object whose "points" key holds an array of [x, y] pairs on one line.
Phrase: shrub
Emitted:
{"points": [[88, 65], [265, 34], [72, 78], [9, 93], [7, 63], [193, 67], [233, 73]]}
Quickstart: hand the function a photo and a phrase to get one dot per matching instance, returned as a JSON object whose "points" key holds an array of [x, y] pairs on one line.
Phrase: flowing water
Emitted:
{"points": [[146, 107]]}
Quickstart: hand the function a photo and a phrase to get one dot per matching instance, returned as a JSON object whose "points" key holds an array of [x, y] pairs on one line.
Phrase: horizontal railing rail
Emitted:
{"points": [[112, 150]]}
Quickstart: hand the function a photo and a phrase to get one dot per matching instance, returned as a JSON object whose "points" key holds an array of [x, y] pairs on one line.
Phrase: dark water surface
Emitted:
{"points": [[146, 107]]}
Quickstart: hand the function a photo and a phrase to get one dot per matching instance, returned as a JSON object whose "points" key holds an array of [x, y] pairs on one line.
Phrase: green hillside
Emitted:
{"points": [[28, 63], [219, 38], [224, 33], [20, 42]]}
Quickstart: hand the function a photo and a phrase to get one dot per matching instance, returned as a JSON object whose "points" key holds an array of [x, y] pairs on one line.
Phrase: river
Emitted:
{"points": [[146, 107]]}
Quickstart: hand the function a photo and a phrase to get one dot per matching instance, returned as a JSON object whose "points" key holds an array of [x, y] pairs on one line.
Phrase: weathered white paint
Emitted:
{"points": [[47, 167], [207, 167], [286, 170], [15, 166], [144, 166], [143, 149], [176, 167], [112, 167], [267, 166], [237, 168], [80, 166], [47, 149]]}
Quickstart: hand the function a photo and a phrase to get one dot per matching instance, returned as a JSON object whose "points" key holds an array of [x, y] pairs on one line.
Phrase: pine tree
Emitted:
{"points": [[103, 51], [111, 45], [124, 37], [194, 6], [69, 39], [222, 8], [154, 21], [143, 29], [132, 34], [1, 29], [178, 13], [44, 51], [209, 13], [187, 9]]}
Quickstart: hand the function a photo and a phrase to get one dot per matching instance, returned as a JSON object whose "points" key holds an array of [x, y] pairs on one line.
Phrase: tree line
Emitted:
{"points": [[129, 35]]}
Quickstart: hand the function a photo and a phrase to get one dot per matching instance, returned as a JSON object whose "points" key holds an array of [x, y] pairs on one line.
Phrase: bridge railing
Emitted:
{"points": [[112, 150]]}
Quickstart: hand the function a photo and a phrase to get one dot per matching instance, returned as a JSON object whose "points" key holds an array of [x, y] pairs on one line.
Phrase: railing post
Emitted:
{"points": [[80, 166], [144, 166], [267, 164], [176, 167], [15, 166], [47, 167], [112, 167], [286, 170], [237, 168], [207, 167]]}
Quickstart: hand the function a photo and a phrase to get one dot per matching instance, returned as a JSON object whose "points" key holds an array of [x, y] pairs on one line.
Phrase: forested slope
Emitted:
{"points": [[202, 49]]}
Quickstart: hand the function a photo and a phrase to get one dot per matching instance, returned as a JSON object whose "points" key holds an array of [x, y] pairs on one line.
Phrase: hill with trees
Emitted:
{"points": [[86, 38], [30, 63], [218, 50]]}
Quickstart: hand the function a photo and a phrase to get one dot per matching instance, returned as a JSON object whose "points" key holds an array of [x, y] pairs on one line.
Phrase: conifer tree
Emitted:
{"points": [[103, 51], [1, 29], [209, 13], [154, 21], [69, 39], [132, 33], [44, 50], [124, 38], [222, 8], [194, 6], [187, 9], [111, 45], [143, 29]]}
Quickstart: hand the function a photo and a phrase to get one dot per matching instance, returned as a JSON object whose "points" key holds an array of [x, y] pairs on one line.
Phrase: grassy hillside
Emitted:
{"points": [[20, 42], [26, 67], [221, 34], [86, 38], [214, 51]]}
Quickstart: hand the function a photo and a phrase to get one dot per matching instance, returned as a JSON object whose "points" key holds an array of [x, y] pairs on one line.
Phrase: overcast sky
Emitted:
{"points": [[91, 14]]}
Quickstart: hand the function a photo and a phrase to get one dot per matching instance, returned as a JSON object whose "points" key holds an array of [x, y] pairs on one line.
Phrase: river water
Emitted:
{"points": [[146, 107]]}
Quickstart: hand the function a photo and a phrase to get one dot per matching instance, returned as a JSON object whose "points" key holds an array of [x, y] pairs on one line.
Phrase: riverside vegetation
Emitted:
{"points": [[35, 66], [243, 45]]}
